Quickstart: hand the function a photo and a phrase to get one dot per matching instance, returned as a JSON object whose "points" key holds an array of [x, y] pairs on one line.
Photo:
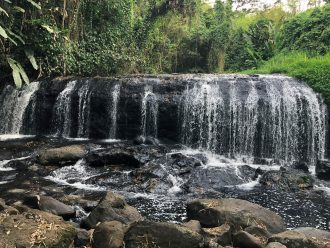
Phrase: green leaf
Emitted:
{"points": [[32, 59], [23, 73], [3, 33], [48, 28], [16, 36], [19, 9], [3, 11], [8, 1], [12, 41], [34, 4], [16, 72]]}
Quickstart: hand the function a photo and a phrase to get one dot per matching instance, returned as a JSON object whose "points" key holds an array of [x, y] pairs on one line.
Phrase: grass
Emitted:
{"points": [[315, 71]]}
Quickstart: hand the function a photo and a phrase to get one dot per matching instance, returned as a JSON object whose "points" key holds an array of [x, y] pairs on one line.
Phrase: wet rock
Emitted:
{"points": [[164, 235], [139, 140], [237, 213], [51, 205], [300, 165], [306, 237], [221, 234], [323, 169], [109, 235], [275, 245], [243, 239], [193, 225], [61, 155], [35, 228], [258, 231], [111, 207], [7, 209], [82, 238], [112, 158], [287, 179], [151, 141]]}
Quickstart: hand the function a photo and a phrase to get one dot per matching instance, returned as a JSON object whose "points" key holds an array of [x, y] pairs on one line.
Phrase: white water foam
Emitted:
{"points": [[5, 137], [74, 176], [3, 163]]}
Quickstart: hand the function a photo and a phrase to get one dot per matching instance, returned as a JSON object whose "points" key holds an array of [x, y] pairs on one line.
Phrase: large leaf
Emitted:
{"points": [[16, 72], [34, 4], [19, 9], [23, 73], [32, 59], [48, 28], [16, 36], [3, 33], [3, 11]]}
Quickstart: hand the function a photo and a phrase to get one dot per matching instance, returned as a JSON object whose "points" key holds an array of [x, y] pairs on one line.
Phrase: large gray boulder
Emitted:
{"points": [[61, 155], [239, 214], [306, 237], [162, 235], [109, 235], [112, 207]]}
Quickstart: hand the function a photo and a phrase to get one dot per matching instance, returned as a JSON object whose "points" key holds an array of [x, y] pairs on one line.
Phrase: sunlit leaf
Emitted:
{"points": [[12, 41], [19, 9], [34, 4], [3, 11], [32, 59], [3, 33], [16, 72], [49, 29], [16, 36], [23, 73]]}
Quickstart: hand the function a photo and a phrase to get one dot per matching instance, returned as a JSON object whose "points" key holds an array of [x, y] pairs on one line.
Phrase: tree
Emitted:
{"points": [[220, 32]]}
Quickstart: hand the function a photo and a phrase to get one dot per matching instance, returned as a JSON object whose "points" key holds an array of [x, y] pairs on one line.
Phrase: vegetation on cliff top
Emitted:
{"points": [[106, 37]]}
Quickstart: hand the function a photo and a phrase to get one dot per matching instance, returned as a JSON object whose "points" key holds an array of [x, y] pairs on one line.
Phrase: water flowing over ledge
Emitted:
{"points": [[273, 117]]}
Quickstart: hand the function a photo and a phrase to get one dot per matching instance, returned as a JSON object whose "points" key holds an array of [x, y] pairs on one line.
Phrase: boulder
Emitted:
{"points": [[323, 169], [243, 239], [237, 213], [151, 141], [221, 234], [306, 237], [139, 140], [111, 207], [61, 155], [82, 239], [291, 179], [163, 235], [109, 235], [51, 205], [98, 159], [275, 245], [35, 228], [300, 165], [193, 225], [258, 231]]}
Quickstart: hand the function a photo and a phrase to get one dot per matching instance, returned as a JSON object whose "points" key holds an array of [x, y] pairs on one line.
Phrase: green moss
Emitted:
{"points": [[315, 71]]}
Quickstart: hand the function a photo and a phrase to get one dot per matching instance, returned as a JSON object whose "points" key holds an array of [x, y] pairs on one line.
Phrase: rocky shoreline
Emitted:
{"points": [[35, 214], [211, 223]]}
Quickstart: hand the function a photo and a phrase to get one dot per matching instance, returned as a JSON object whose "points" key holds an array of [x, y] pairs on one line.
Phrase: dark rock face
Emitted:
{"points": [[111, 208], [237, 213], [164, 235], [323, 169], [51, 205]]}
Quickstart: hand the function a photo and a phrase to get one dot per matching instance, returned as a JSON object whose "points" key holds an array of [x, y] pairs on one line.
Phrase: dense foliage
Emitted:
{"points": [[106, 37]]}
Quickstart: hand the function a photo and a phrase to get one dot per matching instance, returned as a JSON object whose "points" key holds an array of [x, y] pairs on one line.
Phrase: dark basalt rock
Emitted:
{"points": [[111, 207], [109, 235], [237, 213], [291, 179], [300, 165], [323, 169], [51, 205], [164, 235]]}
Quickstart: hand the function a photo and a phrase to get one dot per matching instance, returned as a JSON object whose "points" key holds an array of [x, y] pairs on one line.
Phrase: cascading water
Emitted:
{"points": [[149, 113], [113, 111], [84, 94], [14, 103], [237, 118], [62, 111]]}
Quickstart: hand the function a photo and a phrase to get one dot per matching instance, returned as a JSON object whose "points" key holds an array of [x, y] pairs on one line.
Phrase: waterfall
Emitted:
{"points": [[281, 119], [113, 111], [84, 94], [62, 111], [14, 103], [149, 113]]}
